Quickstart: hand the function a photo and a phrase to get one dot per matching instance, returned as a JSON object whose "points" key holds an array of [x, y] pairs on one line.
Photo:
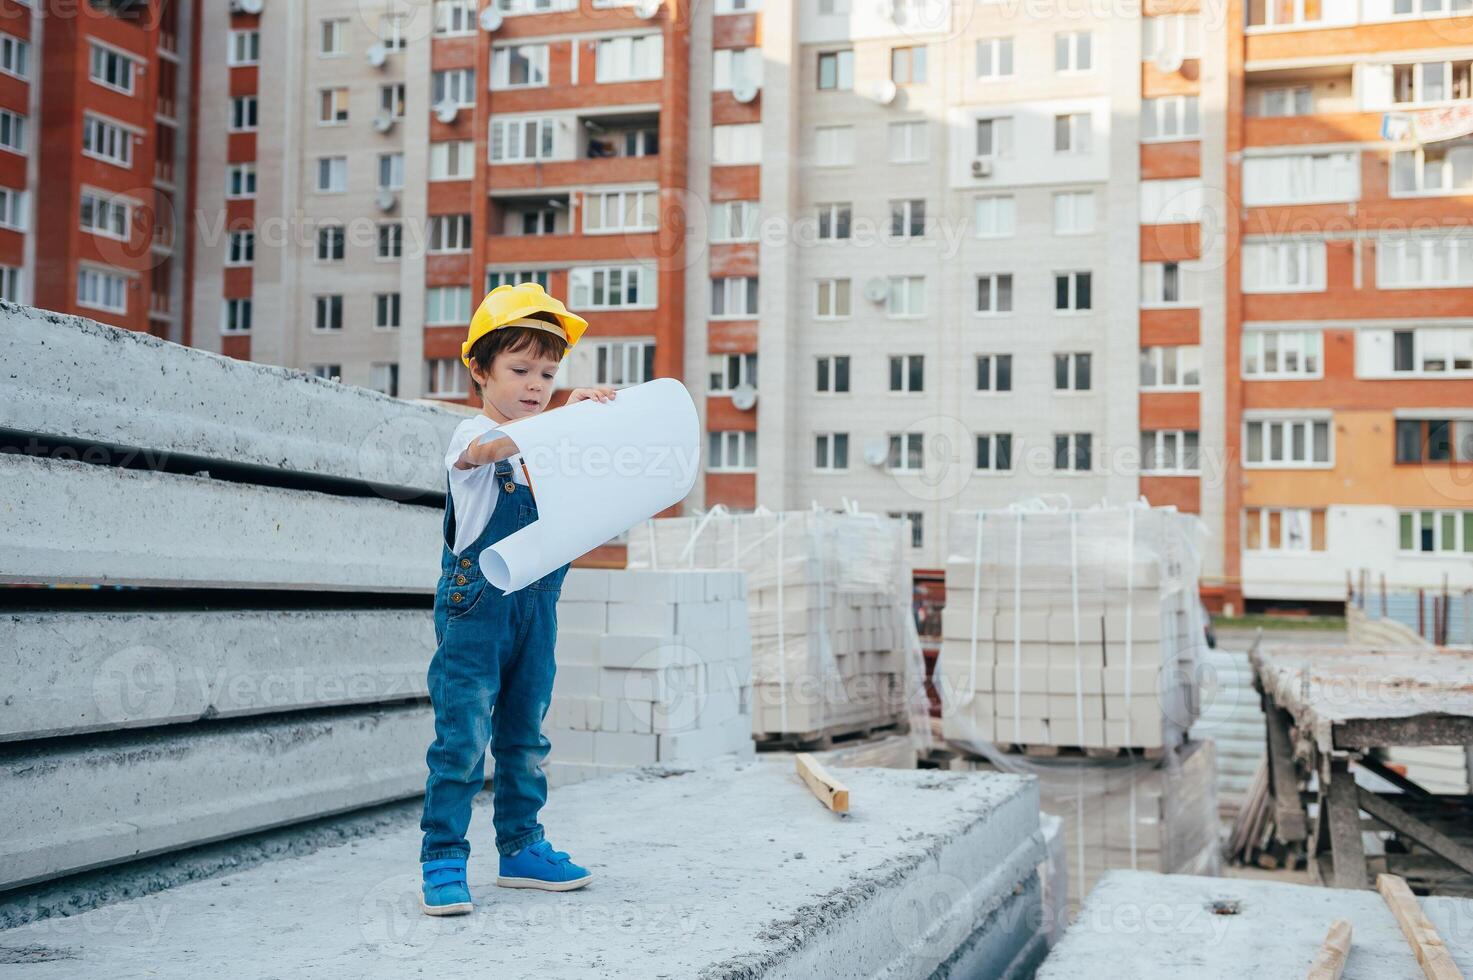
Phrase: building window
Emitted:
{"points": [[243, 114], [510, 277], [740, 143], [995, 293], [1074, 213], [728, 372], [384, 378], [908, 65], [107, 141], [518, 7], [1433, 531], [245, 49], [391, 32], [240, 181], [10, 284], [1434, 440], [1072, 452], [995, 372], [611, 287], [108, 216], [520, 66], [13, 210], [1072, 51], [240, 250], [1072, 132], [1283, 267], [391, 99], [99, 289], [734, 221], [536, 221], [909, 142], [1283, 529], [737, 6], [832, 298], [386, 311], [833, 146], [832, 374], [235, 316], [330, 243], [113, 69], [1168, 284], [1307, 178], [835, 70], [995, 451], [1175, 37], [729, 452], [1171, 117], [995, 137], [915, 517], [831, 451], [1293, 100], [390, 171], [610, 211], [908, 218], [390, 240], [452, 160], [906, 296], [329, 313], [1281, 353], [994, 58], [624, 362], [1430, 82], [1072, 291], [734, 297], [455, 86], [449, 233], [734, 66], [1175, 368], [995, 215], [15, 56], [332, 106], [908, 373], [1431, 352], [1173, 201], [629, 59], [1170, 451], [444, 377], [333, 39], [833, 222], [1287, 443], [1431, 262], [906, 452], [1071, 372], [447, 306], [455, 17], [12, 131]]}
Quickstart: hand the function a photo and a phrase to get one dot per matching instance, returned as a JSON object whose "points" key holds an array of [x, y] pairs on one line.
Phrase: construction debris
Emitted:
{"points": [[1421, 935], [1330, 962], [830, 792]]}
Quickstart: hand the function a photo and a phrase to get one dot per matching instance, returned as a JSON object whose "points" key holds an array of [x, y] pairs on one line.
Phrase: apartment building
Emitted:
{"points": [[94, 119], [1350, 318]]}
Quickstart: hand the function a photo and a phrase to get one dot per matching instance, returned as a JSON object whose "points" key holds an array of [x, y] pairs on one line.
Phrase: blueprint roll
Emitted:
{"points": [[596, 470]]}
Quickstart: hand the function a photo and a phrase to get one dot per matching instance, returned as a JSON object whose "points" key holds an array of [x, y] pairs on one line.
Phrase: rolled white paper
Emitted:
{"points": [[597, 469]]}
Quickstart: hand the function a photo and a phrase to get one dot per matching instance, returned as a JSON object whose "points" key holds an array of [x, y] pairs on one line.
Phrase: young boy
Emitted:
{"points": [[491, 675]]}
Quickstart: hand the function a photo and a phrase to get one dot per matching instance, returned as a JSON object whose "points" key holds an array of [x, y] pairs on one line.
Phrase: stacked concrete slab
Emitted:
{"points": [[828, 595], [1077, 629], [653, 666]]}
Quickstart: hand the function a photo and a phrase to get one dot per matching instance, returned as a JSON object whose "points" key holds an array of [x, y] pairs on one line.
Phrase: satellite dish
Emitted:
{"points": [[386, 200], [377, 55], [1168, 61], [447, 111], [876, 452], [744, 90], [250, 6], [743, 397], [884, 91], [876, 290], [645, 9], [490, 20], [383, 122]]}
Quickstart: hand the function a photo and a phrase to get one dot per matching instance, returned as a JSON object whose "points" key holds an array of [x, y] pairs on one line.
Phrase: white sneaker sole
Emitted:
{"points": [[547, 886], [459, 908]]}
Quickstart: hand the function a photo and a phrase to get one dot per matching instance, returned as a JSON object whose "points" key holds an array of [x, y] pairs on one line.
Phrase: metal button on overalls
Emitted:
{"points": [[460, 580], [509, 486], [465, 563]]}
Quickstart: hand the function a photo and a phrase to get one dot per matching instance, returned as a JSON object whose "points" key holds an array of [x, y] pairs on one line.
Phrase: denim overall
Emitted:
{"points": [[490, 680]]}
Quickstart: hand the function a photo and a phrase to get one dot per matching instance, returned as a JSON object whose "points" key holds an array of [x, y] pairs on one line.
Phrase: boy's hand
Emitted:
{"points": [[598, 394]]}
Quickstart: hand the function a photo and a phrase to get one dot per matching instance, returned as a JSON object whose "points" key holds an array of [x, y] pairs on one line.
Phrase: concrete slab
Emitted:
{"points": [[1149, 926], [726, 871]]}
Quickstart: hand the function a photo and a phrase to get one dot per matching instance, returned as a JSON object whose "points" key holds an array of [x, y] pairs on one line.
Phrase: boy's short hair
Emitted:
{"points": [[538, 343]]}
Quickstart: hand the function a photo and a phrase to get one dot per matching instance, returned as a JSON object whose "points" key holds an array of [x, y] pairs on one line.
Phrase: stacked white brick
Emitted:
{"points": [[651, 667], [1070, 628]]}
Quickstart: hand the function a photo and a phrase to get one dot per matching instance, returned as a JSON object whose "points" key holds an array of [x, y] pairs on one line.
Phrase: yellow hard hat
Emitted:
{"points": [[510, 306]]}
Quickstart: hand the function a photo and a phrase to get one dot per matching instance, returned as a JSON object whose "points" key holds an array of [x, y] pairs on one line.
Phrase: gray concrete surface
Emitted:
{"points": [[74, 522], [1148, 926], [727, 871], [72, 377], [76, 672]]}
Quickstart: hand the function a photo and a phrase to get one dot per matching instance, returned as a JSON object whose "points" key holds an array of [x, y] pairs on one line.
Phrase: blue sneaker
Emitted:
{"points": [[445, 888], [539, 866]]}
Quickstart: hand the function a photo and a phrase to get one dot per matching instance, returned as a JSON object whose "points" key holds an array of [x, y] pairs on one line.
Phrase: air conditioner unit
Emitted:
{"points": [[387, 200], [982, 167], [446, 112], [490, 20], [377, 55], [246, 6], [645, 9], [383, 122], [745, 90]]}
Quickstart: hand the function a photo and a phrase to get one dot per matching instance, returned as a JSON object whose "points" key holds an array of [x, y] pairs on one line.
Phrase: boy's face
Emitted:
{"points": [[519, 384]]}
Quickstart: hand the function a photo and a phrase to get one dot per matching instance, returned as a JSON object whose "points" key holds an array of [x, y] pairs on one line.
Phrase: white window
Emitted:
{"points": [[12, 131], [1073, 452], [995, 451], [1434, 531], [914, 517], [510, 277], [610, 211], [728, 372], [391, 100], [1283, 267], [836, 70], [1283, 529], [1172, 38], [333, 39], [1429, 8], [995, 372], [1168, 284], [452, 160], [908, 65], [619, 363], [520, 140], [996, 215], [235, 316], [738, 6], [240, 181], [10, 284], [1072, 51], [1072, 372], [449, 233], [386, 311], [995, 137], [731, 451], [100, 289], [1072, 291], [832, 375], [331, 243], [391, 171], [1441, 168], [1292, 100], [447, 306], [734, 297], [455, 86], [332, 106], [455, 17], [1170, 451], [736, 144], [445, 377], [1432, 352], [831, 8], [13, 209], [833, 146], [833, 222], [831, 298], [611, 287], [517, 7], [1167, 202], [332, 174], [908, 218], [1287, 443], [1408, 263], [995, 293], [995, 58], [1170, 117], [15, 56], [1430, 82], [390, 240], [245, 48], [240, 250], [629, 59], [907, 452], [734, 66], [113, 69], [329, 313], [391, 32], [908, 373], [384, 378], [1174, 368], [1303, 178], [1281, 353], [107, 141], [735, 221], [243, 114], [906, 296], [1074, 213], [908, 142], [831, 451], [519, 66]]}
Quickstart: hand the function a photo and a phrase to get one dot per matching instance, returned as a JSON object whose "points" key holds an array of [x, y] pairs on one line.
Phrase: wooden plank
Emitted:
{"points": [[1420, 831], [1347, 849], [830, 792], [1289, 823], [1436, 962], [1393, 777], [1329, 963]]}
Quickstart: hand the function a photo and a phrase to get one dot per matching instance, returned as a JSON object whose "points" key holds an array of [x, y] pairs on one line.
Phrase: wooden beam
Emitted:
{"points": [[1329, 963], [830, 792], [1393, 777], [1436, 962], [1409, 826], [1289, 823], [1347, 849]]}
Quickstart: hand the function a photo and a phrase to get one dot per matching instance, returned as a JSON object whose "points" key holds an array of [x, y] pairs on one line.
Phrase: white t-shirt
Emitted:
{"points": [[474, 491]]}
